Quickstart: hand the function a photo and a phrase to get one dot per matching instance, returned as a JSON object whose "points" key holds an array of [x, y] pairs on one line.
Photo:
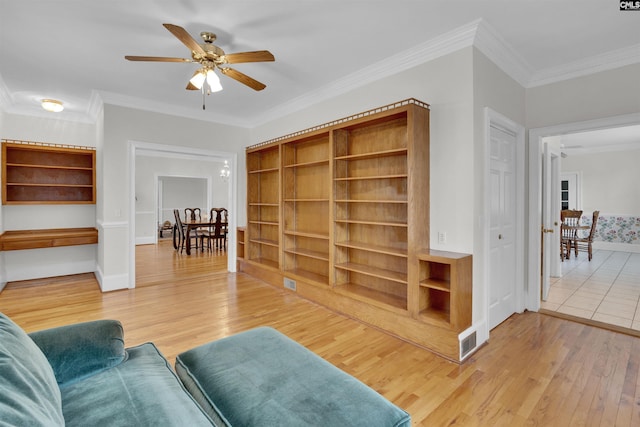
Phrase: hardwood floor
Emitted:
{"points": [[536, 369]]}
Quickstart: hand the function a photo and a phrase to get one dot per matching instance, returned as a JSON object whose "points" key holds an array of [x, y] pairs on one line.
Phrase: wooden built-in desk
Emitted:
{"points": [[48, 238]]}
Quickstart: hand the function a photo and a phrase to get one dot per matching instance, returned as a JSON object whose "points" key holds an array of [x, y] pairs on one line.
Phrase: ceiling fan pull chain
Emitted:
{"points": [[202, 90]]}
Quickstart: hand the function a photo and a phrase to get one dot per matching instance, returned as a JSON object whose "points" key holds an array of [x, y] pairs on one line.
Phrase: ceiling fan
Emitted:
{"points": [[210, 57]]}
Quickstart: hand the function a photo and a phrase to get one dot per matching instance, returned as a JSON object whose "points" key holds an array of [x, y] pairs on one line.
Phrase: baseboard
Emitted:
{"points": [[37, 271], [146, 240], [113, 282], [620, 247]]}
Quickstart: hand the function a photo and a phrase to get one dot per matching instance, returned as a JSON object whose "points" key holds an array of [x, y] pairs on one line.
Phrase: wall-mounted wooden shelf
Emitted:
{"points": [[47, 174], [36, 239]]}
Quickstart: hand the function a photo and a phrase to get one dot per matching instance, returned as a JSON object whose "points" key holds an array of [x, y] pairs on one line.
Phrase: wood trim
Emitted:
{"points": [[47, 238]]}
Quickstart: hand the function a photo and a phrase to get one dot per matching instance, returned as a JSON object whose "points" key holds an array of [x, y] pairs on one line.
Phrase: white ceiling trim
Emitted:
{"points": [[491, 43], [608, 61], [442, 45]]}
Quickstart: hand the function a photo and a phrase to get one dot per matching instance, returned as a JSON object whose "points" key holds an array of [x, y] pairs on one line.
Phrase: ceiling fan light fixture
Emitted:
{"points": [[213, 81], [52, 105], [198, 79]]}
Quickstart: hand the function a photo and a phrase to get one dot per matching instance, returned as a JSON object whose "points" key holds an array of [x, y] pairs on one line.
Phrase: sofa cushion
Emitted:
{"points": [[29, 395], [262, 378], [141, 391], [80, 350]]}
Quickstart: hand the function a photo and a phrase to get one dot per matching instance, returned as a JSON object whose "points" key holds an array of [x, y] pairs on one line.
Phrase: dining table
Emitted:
{"points": [[192, 224]]}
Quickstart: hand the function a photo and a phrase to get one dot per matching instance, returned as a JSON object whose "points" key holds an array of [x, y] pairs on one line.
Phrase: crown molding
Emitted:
{"points": [[594, 64], [496, 48], [444, 44]]}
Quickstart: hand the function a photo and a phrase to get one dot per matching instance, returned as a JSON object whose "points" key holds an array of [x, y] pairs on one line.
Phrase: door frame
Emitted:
{"points": [[533, 289], [492, 117], [134, 147]]}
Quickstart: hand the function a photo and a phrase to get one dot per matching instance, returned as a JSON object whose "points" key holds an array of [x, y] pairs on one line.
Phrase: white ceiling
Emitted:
{"points": [[623, 138], [74, 50]]}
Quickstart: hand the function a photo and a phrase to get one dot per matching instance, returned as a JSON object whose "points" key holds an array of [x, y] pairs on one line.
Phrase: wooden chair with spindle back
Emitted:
{"points": [[569, 221], [585, 243]]}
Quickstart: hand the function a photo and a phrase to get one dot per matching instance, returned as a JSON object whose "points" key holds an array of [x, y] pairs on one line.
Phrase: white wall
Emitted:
{"points": [[494, 89], [31, 264], [124, 125], [610, 181], [596, 96], [180, 193]]}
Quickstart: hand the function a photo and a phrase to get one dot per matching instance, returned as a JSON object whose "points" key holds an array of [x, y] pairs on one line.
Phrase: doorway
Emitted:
{"points": [[172, 152], [536, 221]]}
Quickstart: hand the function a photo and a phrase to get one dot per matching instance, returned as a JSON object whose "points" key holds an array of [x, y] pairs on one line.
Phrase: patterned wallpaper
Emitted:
{"points": [[615, 228]]}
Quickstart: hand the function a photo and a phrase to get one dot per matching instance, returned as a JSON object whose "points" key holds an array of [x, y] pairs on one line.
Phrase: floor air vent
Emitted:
{"points": [[290, 284], [468, 344]]}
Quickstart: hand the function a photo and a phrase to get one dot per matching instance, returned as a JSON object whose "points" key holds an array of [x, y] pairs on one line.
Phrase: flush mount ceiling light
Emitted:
{"points": [[52, 105]]}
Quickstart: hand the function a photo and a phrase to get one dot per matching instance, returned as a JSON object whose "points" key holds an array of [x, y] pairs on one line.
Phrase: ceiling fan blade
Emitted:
{"points": [[156, 59], [257, 56], [185, 38], [242, 78]]}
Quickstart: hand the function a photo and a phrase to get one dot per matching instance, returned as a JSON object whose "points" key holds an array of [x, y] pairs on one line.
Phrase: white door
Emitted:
{"points": [[502, 226], [550, 216]]}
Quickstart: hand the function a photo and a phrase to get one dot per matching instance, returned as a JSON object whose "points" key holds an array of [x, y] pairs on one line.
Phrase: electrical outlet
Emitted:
{"points": [[442, 237], [290, 284]]}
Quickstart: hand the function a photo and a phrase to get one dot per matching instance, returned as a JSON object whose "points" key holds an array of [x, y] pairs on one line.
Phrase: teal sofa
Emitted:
{"points": [[82, 375], [261, 377]]}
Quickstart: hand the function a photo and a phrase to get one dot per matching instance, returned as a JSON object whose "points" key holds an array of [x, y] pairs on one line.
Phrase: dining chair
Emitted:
{"points": [[586, 242], [193, 213], [225, 226], [215, 233], [569, 223], [182, 232]]}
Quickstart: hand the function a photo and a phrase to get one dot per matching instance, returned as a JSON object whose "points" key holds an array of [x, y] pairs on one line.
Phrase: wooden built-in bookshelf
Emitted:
{"points": [[47, 174], [342, 209], [263, 198]]}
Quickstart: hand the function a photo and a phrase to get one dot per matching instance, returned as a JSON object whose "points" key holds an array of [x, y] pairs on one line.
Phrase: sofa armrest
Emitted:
{"points": [[80, 350]]}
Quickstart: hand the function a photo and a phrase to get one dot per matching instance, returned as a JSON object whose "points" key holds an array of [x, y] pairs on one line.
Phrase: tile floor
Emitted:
{"points": [[607, 289]]}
